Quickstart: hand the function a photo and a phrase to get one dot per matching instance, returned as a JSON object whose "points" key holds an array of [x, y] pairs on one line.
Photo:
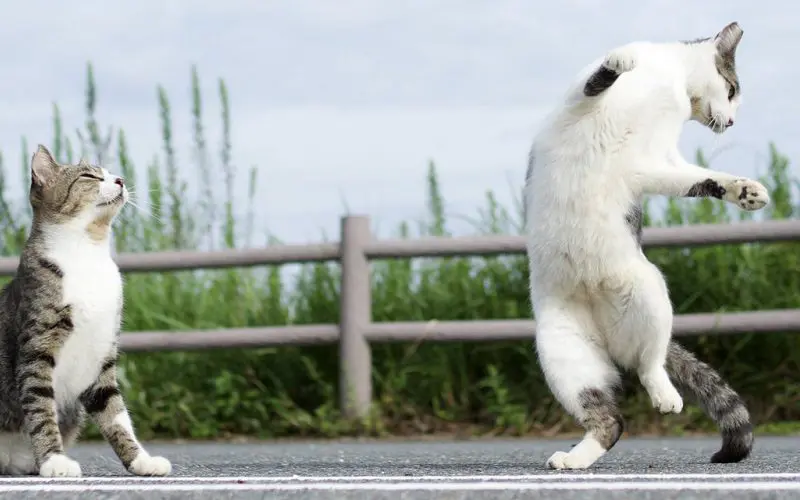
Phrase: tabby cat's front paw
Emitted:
{"points": [[60, 466], [747, 193], [145, 465]]}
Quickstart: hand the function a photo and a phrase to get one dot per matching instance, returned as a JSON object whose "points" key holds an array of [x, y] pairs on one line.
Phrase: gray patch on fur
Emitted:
{"points": [[720, 402], [528, 174], [601, 417], [635, 219], [70, 422], [725, 60], [529, 171], [696, 41], [726, 67], [600, 81], [727, 41], [705, 189]]}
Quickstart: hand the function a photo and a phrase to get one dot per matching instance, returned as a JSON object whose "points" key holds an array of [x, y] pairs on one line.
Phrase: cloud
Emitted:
{"points": [[352, 100]]}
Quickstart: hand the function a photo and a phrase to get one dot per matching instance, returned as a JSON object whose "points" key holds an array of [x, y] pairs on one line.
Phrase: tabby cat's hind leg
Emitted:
{"points": [[16, 456], [582, 377]]}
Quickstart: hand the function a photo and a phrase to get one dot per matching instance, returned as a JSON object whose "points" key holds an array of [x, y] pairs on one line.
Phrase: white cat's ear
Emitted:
{"points": [[43, 166], [728, 39]]}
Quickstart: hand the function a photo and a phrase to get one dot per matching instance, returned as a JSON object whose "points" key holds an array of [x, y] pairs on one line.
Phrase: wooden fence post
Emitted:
{"points": [[355, 358]]}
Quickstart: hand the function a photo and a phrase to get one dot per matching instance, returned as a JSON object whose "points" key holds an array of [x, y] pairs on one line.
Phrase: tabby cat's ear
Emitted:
{"points": [[43, 167], [728, 39]]}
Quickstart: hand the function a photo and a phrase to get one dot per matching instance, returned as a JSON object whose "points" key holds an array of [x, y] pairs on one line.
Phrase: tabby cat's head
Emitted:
{"points": [[713, 83], [81, 195]]}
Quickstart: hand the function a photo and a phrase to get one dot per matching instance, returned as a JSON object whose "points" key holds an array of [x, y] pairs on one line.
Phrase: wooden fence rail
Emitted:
{"points": [[356, 329]]}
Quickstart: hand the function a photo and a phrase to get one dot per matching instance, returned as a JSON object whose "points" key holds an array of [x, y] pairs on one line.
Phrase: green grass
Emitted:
{"points": [[461, 388]]}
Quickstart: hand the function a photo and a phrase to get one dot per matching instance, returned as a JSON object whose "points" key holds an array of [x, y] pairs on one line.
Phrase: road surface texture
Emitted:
{"points": [[498, 469]]}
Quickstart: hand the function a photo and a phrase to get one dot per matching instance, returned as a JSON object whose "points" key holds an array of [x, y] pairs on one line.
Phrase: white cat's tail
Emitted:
{"points": [[722, 404]]}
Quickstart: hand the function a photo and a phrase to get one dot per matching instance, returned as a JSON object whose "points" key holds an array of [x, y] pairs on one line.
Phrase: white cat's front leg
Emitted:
{"points": [[676, 177], [624, 58], [618, 61]]}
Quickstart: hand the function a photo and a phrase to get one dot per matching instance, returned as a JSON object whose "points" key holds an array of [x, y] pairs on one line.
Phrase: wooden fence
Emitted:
{"points": [[356, 329]]}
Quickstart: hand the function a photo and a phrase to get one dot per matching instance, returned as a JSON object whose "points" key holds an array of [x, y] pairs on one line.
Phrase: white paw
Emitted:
{"points": [[666, 399], [60, 466], [747, 193], [562, 460], [621, 59], [145, 465]]}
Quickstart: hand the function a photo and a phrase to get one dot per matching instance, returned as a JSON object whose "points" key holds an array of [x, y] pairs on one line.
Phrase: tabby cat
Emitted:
{"points": [[59, 327]]}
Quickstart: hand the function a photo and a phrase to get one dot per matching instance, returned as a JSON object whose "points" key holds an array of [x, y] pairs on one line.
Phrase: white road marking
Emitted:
{"points": [[551, 477], [418, 486]]}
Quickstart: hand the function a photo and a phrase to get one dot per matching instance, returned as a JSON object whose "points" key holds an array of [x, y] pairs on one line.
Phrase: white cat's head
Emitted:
{"points": [[713, 84]]}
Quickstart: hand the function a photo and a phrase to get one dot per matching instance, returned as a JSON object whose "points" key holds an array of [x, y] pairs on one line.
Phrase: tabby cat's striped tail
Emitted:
{"points": [[715, 396]]}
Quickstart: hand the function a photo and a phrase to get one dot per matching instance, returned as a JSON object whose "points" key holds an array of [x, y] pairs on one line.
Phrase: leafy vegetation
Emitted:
{"points": [[461, 388]]}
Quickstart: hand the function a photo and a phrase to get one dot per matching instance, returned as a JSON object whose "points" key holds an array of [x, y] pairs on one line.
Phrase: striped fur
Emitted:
{"points": [[59, 326], [719, 401]]}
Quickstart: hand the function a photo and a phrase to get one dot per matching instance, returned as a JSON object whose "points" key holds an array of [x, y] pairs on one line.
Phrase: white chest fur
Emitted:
{"points": [[92, 287]]}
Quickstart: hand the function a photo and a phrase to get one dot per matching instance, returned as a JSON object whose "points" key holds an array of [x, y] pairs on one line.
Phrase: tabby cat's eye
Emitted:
{"points": [[731, 91], [90, 176]]}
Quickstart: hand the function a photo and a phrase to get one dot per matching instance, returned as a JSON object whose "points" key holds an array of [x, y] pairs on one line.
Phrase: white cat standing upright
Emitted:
{"points": [[599, 304]]}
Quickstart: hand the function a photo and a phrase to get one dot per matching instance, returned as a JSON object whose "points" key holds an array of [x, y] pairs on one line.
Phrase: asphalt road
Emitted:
{"points": [[497, 469]]}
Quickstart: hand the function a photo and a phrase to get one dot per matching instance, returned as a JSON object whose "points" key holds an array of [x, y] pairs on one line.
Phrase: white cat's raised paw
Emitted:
{"points": [[747, 194], [145, 465], [621, 60], [60, 466]]}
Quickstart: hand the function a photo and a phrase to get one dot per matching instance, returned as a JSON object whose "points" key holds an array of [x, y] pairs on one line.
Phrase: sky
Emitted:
{"points": [[344, 104]]}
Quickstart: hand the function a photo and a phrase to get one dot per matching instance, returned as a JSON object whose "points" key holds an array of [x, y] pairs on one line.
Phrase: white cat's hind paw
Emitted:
{"points": [[747, 193], [60, 466], [562, 460], [145, 465], [667, 399], [558, 460]]}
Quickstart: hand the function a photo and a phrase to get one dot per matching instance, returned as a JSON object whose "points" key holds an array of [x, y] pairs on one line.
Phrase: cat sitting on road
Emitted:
{"points": [[59, 327], [599, 304]]}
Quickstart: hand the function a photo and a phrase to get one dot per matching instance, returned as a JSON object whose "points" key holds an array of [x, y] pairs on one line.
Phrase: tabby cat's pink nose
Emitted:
{"points": [[118, 181]]}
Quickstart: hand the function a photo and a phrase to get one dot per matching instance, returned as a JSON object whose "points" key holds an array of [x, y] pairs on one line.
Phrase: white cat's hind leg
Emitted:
{"points": [[642, 334], [582, 377]]}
